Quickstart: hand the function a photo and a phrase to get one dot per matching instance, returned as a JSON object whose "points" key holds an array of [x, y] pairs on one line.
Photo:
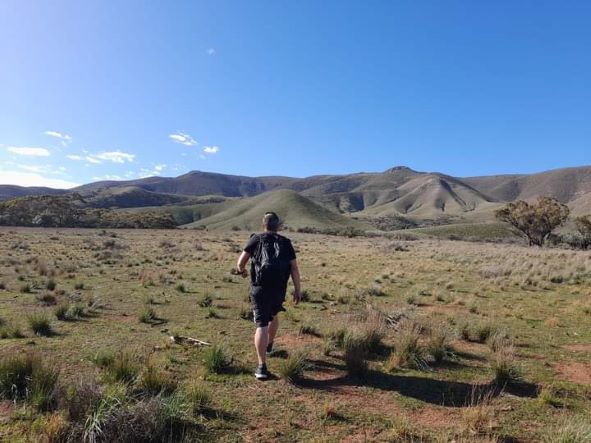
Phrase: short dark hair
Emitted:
{"points": [[271, 221]]}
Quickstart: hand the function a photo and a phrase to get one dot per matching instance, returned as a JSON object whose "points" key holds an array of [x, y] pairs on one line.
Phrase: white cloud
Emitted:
{"points": [[74, 157], [211, 51], [183, 139], [211, 149], [32, 168], [35, 152], [91, 159], [160, 167], [108, 177], [32, 179], [111, 156], [65, 138]]}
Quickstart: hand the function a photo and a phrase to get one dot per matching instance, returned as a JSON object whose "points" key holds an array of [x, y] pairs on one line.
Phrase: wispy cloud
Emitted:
{"points": [[34, 152], [33, 179], [91, 159], [74, 157], [106, 156], [65, 138], [211, 149], [108, 177], [159, 168], [211, 51], [183, 139]]}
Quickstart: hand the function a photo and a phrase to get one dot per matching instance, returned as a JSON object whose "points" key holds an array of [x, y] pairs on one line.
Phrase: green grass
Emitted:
{"points": [[292, 369]]}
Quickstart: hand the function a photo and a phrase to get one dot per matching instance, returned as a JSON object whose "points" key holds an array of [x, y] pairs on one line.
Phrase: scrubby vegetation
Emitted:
{"points": [[496, 334]]}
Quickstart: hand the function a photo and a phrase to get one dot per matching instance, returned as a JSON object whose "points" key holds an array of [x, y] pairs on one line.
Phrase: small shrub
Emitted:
{"points": [[199, 397], [355, 354], [212, 313], [10, 331], [438, 345], [50, 285], [60, 312], [46, 299], [309, 330], [26, 288], [408, 353], [216, 360], [505, 367], [40, 325], [27, 377], [293, 367], [547, 396], [305, 295], [180, 287], [575, 429], [155, 382], [103, 359], [478, 333], [2, 286], [206, 301], [123, 368], [375, 291], [79, 286], [148, 315]]}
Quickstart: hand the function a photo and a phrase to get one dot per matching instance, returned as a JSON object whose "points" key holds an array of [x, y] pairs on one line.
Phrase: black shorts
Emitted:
{"points": [[266, 304]]}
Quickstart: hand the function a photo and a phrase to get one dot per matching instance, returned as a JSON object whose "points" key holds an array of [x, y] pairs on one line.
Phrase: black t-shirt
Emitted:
{"points": [[286, 251]]}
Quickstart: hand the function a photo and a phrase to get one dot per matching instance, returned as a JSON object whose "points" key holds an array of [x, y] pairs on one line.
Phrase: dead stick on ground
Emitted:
{"points": [[190, 340]]}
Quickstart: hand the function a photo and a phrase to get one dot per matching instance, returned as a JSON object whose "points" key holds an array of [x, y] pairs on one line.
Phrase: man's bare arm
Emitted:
{"points": [[241, 265], [295, 278]]}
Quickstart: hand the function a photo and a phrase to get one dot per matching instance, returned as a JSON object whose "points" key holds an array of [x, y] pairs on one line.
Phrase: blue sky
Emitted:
{"points": [[125, 89]]}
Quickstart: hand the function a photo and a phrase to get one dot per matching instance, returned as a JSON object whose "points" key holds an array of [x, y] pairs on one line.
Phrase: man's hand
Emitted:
{"points": [[297, 297]]}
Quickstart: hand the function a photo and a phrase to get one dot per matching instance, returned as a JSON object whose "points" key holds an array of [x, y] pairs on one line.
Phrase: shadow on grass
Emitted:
{"points": [[438, 392]]}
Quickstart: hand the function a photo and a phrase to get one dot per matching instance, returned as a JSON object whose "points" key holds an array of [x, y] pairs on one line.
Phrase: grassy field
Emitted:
{"points": [[427, 340]]}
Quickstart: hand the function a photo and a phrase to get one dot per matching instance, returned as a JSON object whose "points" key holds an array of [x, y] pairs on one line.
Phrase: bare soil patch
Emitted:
{"points": [[579, 347], [575, 372]]}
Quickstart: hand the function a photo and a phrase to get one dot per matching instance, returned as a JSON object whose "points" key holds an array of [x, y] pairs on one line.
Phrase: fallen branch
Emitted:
{"points": [[180, 339]]}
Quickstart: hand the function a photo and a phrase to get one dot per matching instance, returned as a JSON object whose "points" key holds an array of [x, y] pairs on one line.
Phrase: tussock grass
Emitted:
{"points": [[40, 324], [154, 381], [27, 377], [293, 367], [574, 429], [408, 352], [504, 366], [355, 353], [119, 367], [216, 359]]}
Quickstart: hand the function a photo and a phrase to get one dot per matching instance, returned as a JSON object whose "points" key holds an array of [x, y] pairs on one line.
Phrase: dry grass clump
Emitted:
{"points": [[27, 377], [216, 359], [40, 324], [293, 367], [153, 381], [355, 353], [574, 429], [504, 366], [408, 351]]}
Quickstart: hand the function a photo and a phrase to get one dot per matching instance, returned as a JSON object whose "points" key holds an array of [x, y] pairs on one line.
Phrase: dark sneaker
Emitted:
{"points": [[269, 348], [261, 373]]}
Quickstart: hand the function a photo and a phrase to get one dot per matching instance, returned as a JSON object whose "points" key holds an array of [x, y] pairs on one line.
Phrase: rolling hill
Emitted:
{"points": [[223, 201], [297, 210]]}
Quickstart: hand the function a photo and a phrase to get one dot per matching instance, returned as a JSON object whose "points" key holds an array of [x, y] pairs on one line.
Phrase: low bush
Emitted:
{"points": [[216, 360], [40, 324], [293, 367]]}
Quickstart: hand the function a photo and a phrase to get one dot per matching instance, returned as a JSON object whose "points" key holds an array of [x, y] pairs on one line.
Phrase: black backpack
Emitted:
{"points": [[271, 269]]}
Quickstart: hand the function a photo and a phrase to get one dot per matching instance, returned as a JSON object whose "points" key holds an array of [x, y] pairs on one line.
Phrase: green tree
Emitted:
{"points": [[535, 221], [583, 225]]}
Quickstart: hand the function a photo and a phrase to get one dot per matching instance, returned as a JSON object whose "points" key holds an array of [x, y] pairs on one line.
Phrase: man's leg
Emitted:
{"points": [[261, 339], [273, 326]]}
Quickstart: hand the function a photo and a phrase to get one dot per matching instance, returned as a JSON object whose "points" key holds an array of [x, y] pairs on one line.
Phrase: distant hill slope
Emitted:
{"points": [[297, 210], [198, 183], [399, 191], [130, 197], [12, 191]]}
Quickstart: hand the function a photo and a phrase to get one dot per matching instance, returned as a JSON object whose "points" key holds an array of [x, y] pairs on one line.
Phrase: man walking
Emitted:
{"points": [[273, 262]]}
